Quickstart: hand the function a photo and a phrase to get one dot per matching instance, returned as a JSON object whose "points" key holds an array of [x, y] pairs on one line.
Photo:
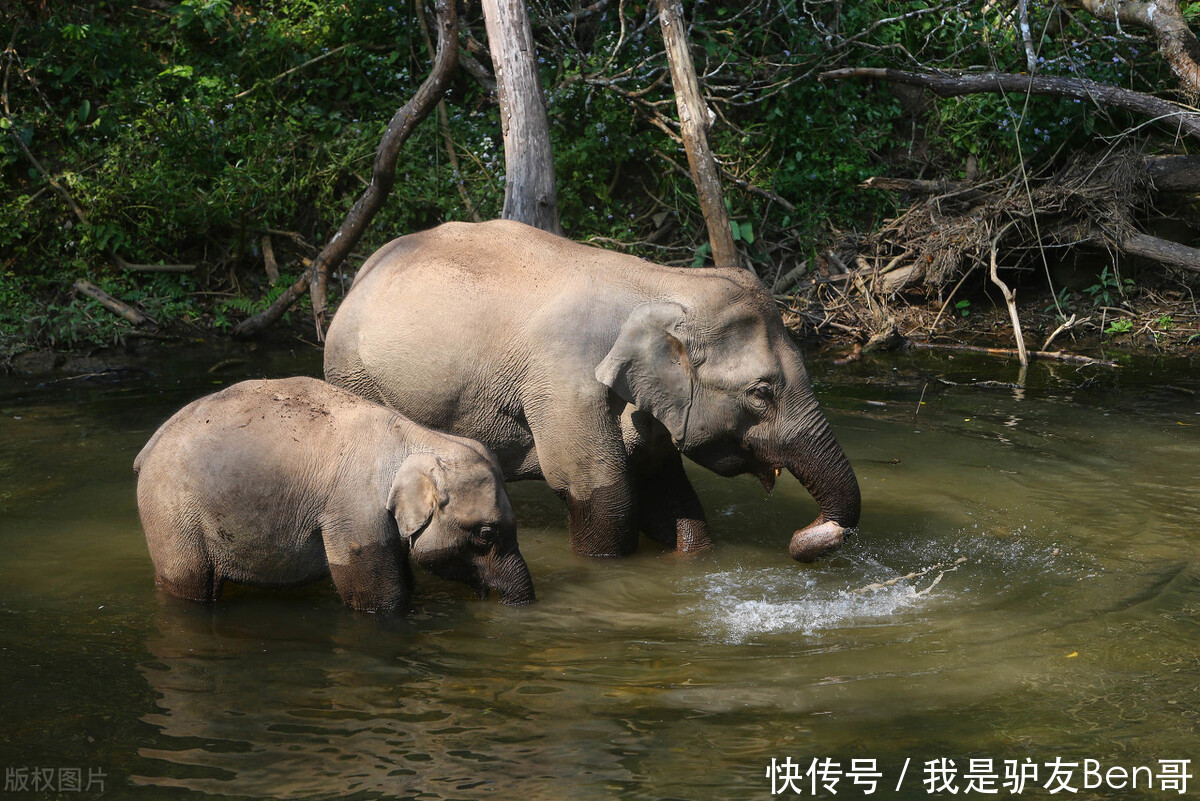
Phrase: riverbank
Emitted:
{"points": [[1154, 324]]}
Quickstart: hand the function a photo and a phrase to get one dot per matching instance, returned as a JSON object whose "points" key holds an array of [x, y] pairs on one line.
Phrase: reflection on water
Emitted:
{"points": [[1024, 585]]}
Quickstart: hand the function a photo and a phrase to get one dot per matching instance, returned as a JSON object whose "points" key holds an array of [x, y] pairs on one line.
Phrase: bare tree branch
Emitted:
{"points": [[383, 174], [1184, 119], [1165, 21], [117, 307]]}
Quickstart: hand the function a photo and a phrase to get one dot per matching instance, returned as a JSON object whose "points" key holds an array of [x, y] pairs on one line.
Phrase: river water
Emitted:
{"points": [[1022, 595]]}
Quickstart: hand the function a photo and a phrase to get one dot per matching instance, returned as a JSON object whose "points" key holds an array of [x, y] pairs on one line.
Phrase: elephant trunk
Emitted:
{"points": [[819, 463], [508, 574]]}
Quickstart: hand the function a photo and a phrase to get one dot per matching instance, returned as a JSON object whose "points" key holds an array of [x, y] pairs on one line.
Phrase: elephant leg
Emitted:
{"points": [[182, 565], [586, 465], [189, 575], [668, 508], [370, 577], [582, 457], [600, 521]]}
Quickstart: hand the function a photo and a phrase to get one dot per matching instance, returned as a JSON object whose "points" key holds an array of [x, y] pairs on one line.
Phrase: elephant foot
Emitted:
{"points": [[202, 586], [600, 526], [588, 538], [691, 536]]}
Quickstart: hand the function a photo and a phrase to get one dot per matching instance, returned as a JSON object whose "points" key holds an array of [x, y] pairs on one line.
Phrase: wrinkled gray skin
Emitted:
{"points": [[593, 370], [278, 483]]}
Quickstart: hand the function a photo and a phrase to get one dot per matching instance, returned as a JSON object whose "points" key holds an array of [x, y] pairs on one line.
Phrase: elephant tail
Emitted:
{"points": [[145, 452]]}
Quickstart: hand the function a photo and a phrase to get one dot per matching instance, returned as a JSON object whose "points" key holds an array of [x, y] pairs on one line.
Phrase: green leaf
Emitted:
{"points": [[737, 229], [748, 232], [85, 108]]}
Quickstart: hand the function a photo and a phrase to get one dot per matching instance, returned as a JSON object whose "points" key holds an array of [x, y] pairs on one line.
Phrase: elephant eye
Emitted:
{"points": [[485, 536], [761, 394]]}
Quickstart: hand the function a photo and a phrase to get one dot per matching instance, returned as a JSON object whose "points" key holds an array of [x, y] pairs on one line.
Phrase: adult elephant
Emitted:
{"points": [[593, 370]]}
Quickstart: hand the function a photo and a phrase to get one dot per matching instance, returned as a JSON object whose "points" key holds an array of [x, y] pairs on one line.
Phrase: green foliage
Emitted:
{"points": [[1121, 325], [186, 134], [963, 307], [1109, 289]]}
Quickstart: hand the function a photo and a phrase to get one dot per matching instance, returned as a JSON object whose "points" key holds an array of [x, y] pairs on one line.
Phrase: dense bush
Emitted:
{"points": [[185, 131]]}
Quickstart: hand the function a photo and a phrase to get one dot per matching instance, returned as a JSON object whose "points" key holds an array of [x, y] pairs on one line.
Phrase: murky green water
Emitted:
{"points": [[1069, 632]]}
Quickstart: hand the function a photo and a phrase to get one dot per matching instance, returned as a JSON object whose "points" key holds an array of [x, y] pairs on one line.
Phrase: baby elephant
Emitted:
{"points": [[278, 483]]}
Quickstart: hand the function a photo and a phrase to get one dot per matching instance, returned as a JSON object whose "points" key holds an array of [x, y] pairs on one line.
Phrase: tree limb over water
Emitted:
{"points": [[1184, 119]]}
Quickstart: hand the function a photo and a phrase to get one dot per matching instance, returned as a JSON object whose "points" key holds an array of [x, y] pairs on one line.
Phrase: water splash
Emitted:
{"points": [[741, 605], [883, 586]]}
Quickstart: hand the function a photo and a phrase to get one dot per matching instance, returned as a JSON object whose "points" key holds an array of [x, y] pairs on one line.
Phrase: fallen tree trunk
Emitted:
{"points": [[1185, 120], [1162, 250], [117, 307], [152, 268], [1168, 174], [1174, 173], [383, 174], [915, 186], [1011, 353]]}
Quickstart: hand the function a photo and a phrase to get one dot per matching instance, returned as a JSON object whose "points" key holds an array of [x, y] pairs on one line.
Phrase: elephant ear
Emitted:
{"points": [[650, 365], [417, 492]]}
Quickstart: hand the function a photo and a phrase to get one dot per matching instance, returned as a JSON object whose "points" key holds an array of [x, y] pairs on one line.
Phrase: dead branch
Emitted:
{"points": [[117, 307], [383, 174], [293, 70], [269, 263], [1174, 173], [1010, 298], [1066, 326], [570, 18], [1166, 23], [473, 67], [1185, 119], [1008, 353], [1162, 250], [694, 122]]}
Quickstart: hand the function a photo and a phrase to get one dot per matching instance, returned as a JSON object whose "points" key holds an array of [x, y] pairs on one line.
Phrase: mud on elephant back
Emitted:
{"points": [[595, 371]]}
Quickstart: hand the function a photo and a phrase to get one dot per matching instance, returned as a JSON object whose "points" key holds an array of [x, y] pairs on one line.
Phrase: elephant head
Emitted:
{"points": [[459, 524], [726, 380]]}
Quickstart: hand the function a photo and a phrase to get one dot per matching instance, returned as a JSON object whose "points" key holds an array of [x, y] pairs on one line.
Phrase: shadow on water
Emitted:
{"points": [[1024, 585]]}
